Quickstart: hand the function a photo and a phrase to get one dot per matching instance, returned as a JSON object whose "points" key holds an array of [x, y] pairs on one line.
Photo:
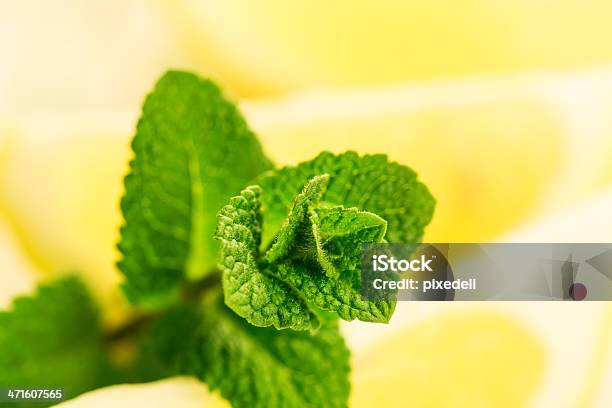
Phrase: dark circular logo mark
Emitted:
{"points": [[577, 291]]}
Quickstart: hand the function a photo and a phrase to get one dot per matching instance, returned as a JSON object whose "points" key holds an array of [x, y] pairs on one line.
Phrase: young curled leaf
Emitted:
{"points": [[339, 233], [294, 231]]}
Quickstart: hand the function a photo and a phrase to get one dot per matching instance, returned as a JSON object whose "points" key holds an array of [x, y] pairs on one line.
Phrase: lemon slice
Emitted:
{"points": [[468, 359], [484, 354], [313, 44], [182, 392]]}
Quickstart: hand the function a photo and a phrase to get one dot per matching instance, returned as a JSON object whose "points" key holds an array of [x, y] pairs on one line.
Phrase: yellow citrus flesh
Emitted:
{"points": [[507, 354], [473, 359]]}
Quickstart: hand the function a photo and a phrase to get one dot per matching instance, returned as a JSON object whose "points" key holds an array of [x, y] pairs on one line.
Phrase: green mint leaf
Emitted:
{"points": [[192, 150], [53, 340], [281, 288], [254, 367], [258, 296], [370, 183]]}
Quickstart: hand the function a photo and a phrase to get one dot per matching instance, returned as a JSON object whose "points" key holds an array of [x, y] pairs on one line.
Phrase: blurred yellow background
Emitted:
{"points": [[503, 108], [295, 45]]}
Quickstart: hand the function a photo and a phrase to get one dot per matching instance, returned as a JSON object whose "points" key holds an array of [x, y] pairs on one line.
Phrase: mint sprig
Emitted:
{"points": [[289, 258]]}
